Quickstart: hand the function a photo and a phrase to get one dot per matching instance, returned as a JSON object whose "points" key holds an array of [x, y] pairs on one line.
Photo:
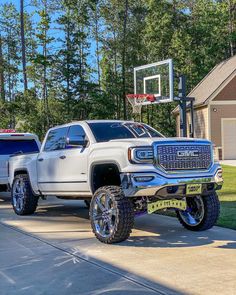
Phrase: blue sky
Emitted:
{"points": [[33, 11], [55, 32]]}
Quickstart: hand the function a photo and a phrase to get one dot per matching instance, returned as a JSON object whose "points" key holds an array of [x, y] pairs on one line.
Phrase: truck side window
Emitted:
{"points": [[76, 132], [56, 139]]}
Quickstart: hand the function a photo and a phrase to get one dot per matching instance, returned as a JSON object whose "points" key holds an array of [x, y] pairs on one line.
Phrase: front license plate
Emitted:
{"points": [[162, 204], [194, 189]]}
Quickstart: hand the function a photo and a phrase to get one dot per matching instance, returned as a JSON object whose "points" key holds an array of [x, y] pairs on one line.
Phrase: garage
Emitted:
{"points": [[215, 106], [229, 138]]}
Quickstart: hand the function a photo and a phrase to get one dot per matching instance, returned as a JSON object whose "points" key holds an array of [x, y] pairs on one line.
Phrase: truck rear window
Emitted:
{"points": [[10, 147]]}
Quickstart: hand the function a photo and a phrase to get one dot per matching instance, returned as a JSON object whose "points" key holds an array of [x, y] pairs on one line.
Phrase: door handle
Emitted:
{"points": [[62, 157], [40, 159]]}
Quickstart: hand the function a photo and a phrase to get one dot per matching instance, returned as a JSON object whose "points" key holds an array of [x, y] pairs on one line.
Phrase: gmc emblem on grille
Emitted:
{"points": [[187, 153]]}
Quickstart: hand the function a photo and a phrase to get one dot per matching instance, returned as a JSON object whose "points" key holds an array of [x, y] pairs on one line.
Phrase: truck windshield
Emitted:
{"points": [[10, 147], [105, 131]]}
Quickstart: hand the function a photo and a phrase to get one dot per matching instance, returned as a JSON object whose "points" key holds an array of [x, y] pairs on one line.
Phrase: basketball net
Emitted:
{"points": [[138, 100]]}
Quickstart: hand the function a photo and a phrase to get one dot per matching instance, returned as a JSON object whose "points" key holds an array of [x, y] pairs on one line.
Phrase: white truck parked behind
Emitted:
{"points": [[11, 143], [125, 169]]}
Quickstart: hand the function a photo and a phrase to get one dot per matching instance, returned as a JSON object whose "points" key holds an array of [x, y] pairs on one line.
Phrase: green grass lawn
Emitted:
{"points": [[228, 198]]}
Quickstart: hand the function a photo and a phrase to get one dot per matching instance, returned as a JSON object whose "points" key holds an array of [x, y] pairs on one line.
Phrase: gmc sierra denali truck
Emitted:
{"points": [[125, 169], [12, 142]]}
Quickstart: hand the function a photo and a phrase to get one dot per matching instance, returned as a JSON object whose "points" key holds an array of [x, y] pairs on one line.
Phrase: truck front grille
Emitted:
{"points": [[184, 157]]}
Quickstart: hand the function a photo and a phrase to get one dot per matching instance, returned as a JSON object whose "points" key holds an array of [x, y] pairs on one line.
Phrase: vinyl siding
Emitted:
{"points": [[201, 122]]}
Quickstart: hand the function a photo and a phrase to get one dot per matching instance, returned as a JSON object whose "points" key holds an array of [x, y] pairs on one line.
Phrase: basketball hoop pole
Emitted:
{"points": [[183, 105], [183, 99]]}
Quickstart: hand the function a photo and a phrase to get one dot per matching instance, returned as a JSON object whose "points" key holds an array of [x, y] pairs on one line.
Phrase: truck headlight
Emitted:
{"points": [[220, 173], [140, 155]]}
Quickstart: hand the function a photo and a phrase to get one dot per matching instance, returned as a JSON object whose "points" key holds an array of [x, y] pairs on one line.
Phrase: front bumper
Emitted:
{"points": [[170, 185]]}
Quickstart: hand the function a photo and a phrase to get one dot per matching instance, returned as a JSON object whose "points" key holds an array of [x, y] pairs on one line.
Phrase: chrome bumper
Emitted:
{"points": [[133, 184]]}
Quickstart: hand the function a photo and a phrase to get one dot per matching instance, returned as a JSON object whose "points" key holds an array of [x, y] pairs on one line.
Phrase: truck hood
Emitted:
{"points": [[151, 140]]}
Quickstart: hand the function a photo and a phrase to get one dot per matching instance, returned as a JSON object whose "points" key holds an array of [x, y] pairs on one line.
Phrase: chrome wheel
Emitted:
{"points": [[18, 194], [195, 211], [104, 214], [111, 215]]}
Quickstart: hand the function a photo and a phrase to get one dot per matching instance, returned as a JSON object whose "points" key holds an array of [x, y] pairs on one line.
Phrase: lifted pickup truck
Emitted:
{"points": [[11, 143], [124, 169]]}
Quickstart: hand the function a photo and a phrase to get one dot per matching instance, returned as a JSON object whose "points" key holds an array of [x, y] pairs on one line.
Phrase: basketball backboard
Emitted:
{"points": [[156, 79]]}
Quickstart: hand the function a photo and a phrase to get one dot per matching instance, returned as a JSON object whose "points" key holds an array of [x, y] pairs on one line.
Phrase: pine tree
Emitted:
{"points": [[10, 33], [2, 82], [23, 53]]}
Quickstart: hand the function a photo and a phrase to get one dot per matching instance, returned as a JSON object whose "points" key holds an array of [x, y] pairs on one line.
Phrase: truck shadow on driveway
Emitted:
{"points": [[154, 231], [169, 236], [158, 231]]}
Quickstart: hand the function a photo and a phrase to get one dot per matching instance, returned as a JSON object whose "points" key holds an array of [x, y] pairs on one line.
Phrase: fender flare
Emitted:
{"points": [[25, 171], [95, 163]]}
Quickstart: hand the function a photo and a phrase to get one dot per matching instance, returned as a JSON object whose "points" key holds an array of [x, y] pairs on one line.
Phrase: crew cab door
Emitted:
{"points": [[62, 168]]}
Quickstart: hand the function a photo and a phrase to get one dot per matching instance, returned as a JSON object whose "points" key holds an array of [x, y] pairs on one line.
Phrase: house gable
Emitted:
{"points": [[228, 92], [220, 82]]}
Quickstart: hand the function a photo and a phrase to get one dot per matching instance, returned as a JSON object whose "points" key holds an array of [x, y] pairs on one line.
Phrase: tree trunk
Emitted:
{"points": [[97, 45], [22, 30], [124, 59], [9, 78], [2, 85], [232, 16], [45, 90], [114, 85], [68, 48]]}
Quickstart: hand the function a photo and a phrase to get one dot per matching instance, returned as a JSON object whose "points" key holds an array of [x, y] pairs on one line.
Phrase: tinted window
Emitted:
{"points": [[116, 130], [112, 130], [10, 147], [56, 139], [152, 131]]}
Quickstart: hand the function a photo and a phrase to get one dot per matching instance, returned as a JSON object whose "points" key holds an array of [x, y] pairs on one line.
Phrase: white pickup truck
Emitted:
{"points": [[11, 143], [125, 169]]}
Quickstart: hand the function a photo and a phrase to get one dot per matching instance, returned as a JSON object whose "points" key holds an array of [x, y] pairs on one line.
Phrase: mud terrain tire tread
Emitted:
{"points": [[30, 200], [124, 219], [212, 212]]}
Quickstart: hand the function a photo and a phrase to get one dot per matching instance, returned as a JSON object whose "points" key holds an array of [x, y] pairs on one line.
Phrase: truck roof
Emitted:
{"points": [[104, 121], [17, 135], [92, 121]]}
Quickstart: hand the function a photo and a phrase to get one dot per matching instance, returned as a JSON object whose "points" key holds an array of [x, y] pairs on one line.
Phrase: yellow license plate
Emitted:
{"points": [[194, 189], [162, 204]]}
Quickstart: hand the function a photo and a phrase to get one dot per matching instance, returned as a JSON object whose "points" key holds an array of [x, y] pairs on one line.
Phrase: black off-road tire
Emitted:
{"points": [[30, 201], [124, 218], [211, 214]]}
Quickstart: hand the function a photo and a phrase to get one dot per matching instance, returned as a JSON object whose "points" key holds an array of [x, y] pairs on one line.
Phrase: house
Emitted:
{"points": [[215, 109]]}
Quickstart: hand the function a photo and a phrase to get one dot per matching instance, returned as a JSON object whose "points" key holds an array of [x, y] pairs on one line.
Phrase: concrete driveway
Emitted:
{"points": [[55, 252]]}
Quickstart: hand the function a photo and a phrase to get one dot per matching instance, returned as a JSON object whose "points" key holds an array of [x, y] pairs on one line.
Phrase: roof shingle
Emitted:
{"points": [[209, 85]]}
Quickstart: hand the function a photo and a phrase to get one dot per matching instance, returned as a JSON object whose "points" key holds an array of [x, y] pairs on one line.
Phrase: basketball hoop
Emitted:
{"points": [[153, 84], [138, 100]]}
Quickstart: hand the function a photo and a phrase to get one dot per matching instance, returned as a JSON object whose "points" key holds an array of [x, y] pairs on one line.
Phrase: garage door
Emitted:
{"points": [[229, 139]]}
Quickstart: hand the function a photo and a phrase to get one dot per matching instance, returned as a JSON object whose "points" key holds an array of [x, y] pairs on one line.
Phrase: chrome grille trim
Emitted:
{"points": [[199, 156]]}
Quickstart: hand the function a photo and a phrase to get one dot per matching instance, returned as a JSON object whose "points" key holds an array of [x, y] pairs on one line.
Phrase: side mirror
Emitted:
{"points": [[76, 141]]}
